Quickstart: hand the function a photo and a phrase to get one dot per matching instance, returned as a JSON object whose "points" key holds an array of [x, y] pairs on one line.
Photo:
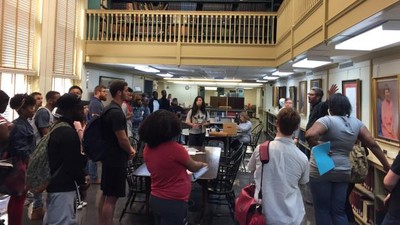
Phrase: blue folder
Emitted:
{"points": [[322, 159]]}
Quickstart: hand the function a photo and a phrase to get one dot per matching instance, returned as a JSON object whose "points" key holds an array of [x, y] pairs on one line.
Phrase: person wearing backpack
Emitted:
{"points": [[95, 109], [342, 130], [41, 123], [115, 162], [21, 145], [66, 163]]}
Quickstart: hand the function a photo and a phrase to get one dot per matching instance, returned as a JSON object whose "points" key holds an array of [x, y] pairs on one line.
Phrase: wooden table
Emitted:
{"points": [[225, 139], [207, 154]]}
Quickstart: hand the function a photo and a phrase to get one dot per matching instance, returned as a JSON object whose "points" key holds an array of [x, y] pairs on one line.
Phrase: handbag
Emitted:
{"points": [[359, 164], [248, 210]]}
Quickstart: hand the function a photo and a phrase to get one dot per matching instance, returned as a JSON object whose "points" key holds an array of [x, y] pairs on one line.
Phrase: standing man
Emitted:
{"points": [[128, 111], [38, 98], [318, 108], [137, 117], [96, 108], [154, 104], [64, 151], [41, 123], [145, 106], [113, 179], [392, 185], [164, 102], [76, 90]]}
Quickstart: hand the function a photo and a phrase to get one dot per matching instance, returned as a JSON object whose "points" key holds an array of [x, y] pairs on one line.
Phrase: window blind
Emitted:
{"points": [[65, 37], [17, 33]]}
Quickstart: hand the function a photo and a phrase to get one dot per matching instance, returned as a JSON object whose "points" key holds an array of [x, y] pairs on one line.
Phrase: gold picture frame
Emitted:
{"points": [[352, 90], [302, 104], [386, 108]]}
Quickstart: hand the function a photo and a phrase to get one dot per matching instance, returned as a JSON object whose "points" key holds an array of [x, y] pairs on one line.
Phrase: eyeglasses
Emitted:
{"points": [[310, 94]]}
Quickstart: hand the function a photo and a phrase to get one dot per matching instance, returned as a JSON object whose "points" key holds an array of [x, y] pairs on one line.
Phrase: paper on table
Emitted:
{"points": [[322, 159], [199, 173]]}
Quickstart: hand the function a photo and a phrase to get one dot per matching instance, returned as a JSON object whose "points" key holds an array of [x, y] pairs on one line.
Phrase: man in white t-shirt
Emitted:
{"points": [[288, 167]]}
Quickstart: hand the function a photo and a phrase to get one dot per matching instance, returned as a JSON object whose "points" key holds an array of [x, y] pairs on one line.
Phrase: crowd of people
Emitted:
{"points": [[157, 122]]}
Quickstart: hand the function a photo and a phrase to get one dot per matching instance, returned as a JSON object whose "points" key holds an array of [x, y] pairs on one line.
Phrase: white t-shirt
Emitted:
{"points": [[124, 108], [288, 167], [200, 117]]}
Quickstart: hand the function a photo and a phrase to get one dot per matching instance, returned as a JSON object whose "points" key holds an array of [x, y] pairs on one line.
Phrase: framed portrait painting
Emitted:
{"points": [[293, 95], [106, 81], [275, 96], [302, 106], [352, 89], [316, 83], [386, 108]]}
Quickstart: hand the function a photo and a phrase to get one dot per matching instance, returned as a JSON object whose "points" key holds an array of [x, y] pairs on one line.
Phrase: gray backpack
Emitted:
{"points": [[38, 173]]}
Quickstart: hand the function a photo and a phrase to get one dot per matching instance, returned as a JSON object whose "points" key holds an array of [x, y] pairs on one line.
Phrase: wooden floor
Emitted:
{"points": [[215, 215]]}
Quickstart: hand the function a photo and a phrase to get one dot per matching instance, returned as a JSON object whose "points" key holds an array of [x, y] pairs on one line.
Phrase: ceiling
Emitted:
{"points": [[255, 73]]}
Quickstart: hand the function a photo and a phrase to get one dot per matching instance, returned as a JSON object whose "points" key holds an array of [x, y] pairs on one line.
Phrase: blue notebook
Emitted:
{"points": [[322, 159]]}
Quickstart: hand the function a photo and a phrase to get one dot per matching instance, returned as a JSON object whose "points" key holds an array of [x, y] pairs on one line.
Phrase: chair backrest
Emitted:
{"points": [[235, 148], [137, 184], [226, 175], [255, 134]]}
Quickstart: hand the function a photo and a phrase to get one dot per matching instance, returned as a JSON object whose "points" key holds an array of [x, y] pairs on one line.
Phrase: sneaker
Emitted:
{"points": [[81, 205], [35, 214]]}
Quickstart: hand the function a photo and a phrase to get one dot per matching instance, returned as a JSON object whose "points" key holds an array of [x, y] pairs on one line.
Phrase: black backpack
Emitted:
{"points": [[93, 143]]}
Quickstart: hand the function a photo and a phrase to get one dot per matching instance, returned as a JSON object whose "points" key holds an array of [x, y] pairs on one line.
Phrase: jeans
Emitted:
{"points": [[391, 220], [61, 208], [92, 170], [329, 201], [169, 212], [37, 201]]}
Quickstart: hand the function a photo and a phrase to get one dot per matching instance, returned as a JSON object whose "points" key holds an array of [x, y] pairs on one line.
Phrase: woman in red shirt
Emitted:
{"points": [[167, 162]]}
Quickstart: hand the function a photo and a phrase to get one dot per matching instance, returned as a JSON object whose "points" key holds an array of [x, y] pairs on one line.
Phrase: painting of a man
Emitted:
{"points": [[387, 117]]}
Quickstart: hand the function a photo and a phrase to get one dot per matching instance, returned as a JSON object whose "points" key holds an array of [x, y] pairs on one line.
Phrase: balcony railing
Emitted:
{"points": [[181, 27]]}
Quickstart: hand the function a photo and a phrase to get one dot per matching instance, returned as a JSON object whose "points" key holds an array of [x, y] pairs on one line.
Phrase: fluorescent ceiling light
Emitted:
{"points": [[165, 75], [147, 69], [217, 84], [281, 73], [204, 79], [210, 88], [261, 81], [375, 38], [270, 78], [310, 62]]}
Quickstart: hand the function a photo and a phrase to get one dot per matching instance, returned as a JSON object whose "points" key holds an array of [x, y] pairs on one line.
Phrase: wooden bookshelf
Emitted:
{"points": [[270, 127]]}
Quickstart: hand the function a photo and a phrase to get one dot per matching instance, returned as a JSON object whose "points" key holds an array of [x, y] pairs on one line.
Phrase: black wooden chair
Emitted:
{"points": [[136, 184], [255, 137], [220, 190]]}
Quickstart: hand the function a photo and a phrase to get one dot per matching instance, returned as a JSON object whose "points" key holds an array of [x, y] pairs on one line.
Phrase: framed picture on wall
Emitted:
{"points": [[316, 83], [293, 95], [275, 96], [282, 92], [386, 107], [106, 81], [302, 104], [352, 89]]}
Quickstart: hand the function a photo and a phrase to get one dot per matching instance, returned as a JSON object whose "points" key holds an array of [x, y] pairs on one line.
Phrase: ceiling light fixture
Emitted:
{"points": [[217, 84], [282, 73], [270, 78], [204, 79], [378, 37], [312, 62], [210, 88], [165, 75], [147, 69], [261, 81]]}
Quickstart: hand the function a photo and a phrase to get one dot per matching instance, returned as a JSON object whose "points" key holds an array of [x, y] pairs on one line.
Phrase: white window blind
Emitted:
{"points": [[65, 37], [17, 31], [61, 84], [13, 84]]}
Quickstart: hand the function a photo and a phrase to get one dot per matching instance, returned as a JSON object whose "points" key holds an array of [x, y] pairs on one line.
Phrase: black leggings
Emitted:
{"points": [[169, 212], [197, 139]]}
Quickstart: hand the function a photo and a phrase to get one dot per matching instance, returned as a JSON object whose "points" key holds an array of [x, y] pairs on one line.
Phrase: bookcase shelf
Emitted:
{"points": [[270, 126]]}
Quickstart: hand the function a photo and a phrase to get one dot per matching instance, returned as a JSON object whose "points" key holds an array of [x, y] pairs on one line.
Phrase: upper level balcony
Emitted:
{"points": [[182, 27]]}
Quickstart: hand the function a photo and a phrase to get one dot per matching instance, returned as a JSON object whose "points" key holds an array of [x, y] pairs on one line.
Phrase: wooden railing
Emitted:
{"points": [[181, 27]]}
